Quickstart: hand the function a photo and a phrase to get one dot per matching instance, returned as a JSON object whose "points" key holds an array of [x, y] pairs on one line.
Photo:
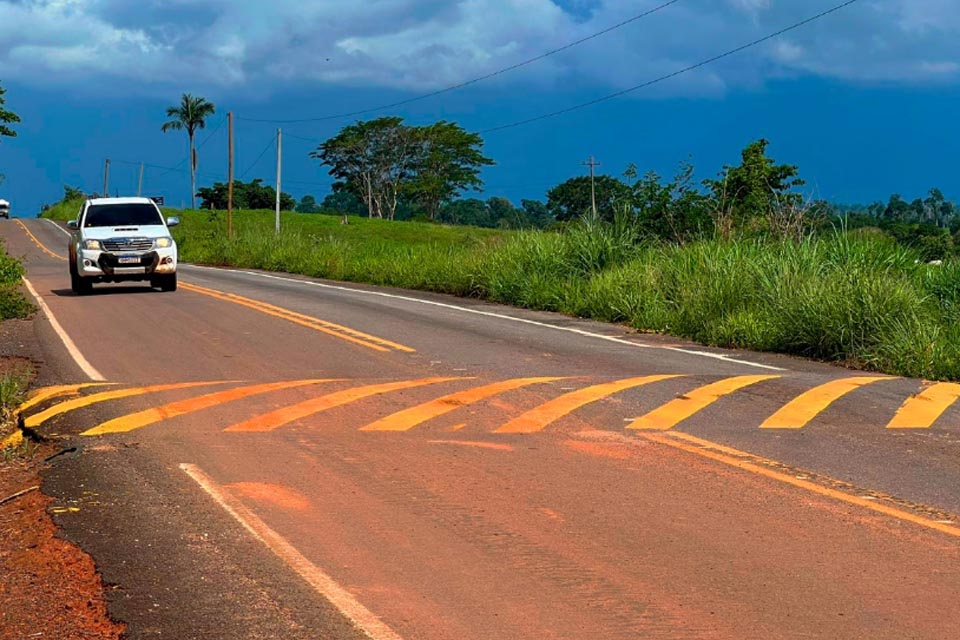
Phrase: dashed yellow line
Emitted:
{"points": [[339, 331], [410, 418], [39, 244], [807, 406], [151, 416], [757, 466], [673, 413], [541, 417], [38, 419], [276, 419], [923, 409]]}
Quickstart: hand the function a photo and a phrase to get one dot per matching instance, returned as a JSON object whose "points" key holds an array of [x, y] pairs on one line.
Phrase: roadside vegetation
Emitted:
{"points": [[13, 304]]}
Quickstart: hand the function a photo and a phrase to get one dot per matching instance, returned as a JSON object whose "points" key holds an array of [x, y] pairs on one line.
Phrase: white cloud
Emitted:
{"points": [[426, 44]]}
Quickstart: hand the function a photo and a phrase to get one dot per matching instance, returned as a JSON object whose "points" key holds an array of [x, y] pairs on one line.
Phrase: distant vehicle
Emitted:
{"points": [[4, 209], [121, 240]]}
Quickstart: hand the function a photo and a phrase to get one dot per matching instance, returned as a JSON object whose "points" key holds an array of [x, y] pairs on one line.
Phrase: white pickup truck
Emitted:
{"points": [[120, 240]]}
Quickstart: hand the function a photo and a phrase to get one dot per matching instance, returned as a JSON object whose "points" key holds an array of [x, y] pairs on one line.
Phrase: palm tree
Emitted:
{"points": [[191, 114]]}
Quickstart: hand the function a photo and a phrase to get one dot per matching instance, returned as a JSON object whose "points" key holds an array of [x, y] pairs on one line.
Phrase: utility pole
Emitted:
{"points": [[106, 178], [593, 164], [140, 182], [279, 173], [230, 175]]}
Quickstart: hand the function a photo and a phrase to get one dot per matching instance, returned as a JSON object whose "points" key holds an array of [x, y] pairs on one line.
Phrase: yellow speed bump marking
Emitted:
{"points": [[39, 244], [676, 411], [323, 326], [47, 393], [807, 406], [147, 417], [541, 417], [37, 419], [923, 409], [410, 418], [763, 467], [276, 419]]}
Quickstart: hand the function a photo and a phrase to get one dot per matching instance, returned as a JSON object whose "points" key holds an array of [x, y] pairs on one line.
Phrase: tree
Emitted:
{"points": [[343, 201], [190, 116], [372, 159], [676, 211], [572, 199], [72, 193], [748, 195], [536, 213], [246, 195], [897, 209], [308, 204], [448, 161], [470, 211], [7, 118]]}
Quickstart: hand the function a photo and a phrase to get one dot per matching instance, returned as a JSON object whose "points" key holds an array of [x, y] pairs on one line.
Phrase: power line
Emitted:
{"points": [[259, 157], [674, 74], [200, 146], [467, 83]]}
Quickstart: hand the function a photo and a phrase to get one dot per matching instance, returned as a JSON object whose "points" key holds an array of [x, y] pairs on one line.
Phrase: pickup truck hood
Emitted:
{"points": [[104, 233]]}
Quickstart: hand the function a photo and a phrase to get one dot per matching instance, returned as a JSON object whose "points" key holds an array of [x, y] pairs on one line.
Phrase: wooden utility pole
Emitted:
{"points": [[106, 178], [140, 182], [593, 164], [279, 173], [230, 175]]}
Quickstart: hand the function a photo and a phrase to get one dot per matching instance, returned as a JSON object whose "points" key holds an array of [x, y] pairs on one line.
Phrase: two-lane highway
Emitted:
{"points": [[272, 456]]}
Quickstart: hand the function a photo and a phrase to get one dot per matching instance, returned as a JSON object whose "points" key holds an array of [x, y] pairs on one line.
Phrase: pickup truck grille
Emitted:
{"points": [[128, 244]]}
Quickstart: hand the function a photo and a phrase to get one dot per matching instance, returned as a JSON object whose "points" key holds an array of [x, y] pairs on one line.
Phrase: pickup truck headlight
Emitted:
{"points": [[163, 243], [92, 245]]}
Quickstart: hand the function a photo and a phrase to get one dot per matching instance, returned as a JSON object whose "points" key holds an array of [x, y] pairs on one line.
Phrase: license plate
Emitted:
{"points": [[129, 260], [127, 270]]}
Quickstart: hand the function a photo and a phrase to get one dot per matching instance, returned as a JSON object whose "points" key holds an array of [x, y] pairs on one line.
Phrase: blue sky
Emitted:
{"points": [[863, 101]]}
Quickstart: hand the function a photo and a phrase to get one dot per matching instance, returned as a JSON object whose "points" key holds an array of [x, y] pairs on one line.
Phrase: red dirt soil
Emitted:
{"points": [[49, 588]]}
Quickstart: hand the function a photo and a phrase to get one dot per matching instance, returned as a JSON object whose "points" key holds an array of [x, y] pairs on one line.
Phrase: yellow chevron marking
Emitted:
{"points": [[807, 406], [410, 418], [923, 409], [47, 393], [276, 419], [541, 417], [676, 411]]}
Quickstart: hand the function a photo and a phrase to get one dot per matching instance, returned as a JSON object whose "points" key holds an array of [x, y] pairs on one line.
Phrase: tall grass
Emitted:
{"points": [[854, 299], [13, 304]]}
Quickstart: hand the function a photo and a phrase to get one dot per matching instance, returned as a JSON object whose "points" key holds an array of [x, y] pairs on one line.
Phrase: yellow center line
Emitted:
{"points": [[923, 409], [63, 407], [39, 244], [756, 465], [276, 419], [47, 393], [807, 406], [151, 416], [541, 417], [410, 418], [329, 328], [676, 411]]}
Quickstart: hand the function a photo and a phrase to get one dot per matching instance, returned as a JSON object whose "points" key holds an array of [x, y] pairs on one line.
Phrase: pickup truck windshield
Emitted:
{"points": [[122, 215]]}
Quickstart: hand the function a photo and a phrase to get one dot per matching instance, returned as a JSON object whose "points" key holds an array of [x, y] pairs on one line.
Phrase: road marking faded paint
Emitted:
{"points": [[923, 409], [70, 405], [85, 366], [541, 417], [147, 417], [276, 419], [756, 465], [498, 446], [807, 406], [365, 620], [39, 244], [329, 328], [410, 418], [500, 316], [48, 393], [676, 411]]}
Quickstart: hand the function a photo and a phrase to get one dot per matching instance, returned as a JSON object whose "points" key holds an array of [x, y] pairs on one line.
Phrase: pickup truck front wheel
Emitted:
{"points": [[80, 286], [165, 282]]}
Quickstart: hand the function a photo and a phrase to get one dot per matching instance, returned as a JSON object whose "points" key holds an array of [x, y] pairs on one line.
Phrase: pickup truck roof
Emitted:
{"points": [[108, 201]]}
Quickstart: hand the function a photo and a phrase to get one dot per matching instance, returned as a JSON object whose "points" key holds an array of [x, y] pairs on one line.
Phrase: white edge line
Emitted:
{"points": [[87, 368], [58, 227], [365, 620], [588, 334]]}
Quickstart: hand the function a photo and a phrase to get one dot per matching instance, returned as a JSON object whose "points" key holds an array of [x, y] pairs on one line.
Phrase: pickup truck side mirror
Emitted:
{"points": [[172, 222], [72, 225]]}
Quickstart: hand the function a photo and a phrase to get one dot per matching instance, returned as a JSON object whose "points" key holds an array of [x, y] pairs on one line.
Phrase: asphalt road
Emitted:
{"points": [[271, 456]]}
